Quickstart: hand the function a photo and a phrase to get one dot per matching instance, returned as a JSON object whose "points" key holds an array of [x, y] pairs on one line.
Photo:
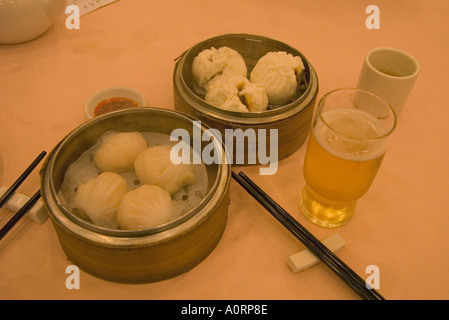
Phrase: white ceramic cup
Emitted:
{"points": [[389, 73]]}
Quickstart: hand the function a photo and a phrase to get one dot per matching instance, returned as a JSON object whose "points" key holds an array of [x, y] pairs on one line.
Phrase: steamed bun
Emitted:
{"points": [[278, 72], [98, 199], [234, 104], [255, 97], [153, 166], [119, 150], [236, 93], [223, 92], [222, 61], [145, 207]]}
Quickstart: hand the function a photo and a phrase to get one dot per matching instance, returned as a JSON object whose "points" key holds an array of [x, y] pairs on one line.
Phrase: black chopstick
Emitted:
{"points": [[22, 177], [332, 260], [19, 214], [310, 241], [29, 204]]}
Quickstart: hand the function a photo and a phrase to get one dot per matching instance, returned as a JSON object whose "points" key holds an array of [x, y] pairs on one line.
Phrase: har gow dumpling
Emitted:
{"points": [[153, 166], [119, 150], [145, 207], [98, 199]]}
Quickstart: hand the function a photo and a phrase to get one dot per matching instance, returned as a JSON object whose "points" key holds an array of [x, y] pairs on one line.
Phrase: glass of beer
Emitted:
{"points": [[347, 143]]}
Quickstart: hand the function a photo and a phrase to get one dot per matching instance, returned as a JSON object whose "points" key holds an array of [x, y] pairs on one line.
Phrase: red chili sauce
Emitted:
{"points": [[114, 104]]}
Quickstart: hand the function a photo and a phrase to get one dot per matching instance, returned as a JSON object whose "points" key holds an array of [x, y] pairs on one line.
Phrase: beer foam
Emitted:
{"points": [[354, 134]]}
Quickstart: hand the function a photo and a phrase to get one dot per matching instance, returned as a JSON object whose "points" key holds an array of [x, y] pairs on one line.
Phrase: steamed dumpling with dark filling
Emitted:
{"points": [[255, 97], [145, 207], [236, 93], [223, 92], [153, 166]]}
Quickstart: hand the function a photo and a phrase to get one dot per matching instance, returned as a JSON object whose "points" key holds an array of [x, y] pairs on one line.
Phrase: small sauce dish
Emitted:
{"points": [[113, 99]]}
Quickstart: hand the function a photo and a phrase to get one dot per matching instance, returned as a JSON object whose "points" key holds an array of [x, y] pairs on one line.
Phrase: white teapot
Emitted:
{"points": [[24, 20]]}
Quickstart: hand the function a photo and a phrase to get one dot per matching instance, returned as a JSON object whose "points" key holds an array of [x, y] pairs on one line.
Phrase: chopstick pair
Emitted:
{"points": [[28, 205], [309, 240]]}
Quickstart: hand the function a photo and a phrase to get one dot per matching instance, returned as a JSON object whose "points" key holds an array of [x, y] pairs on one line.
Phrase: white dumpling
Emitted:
{"points": [[278, 72], [119, 150], [154, 166], [236, 93], [223, 92], [223, 88], [99, 198], [145, 207], [212, 62], [234, 104]]}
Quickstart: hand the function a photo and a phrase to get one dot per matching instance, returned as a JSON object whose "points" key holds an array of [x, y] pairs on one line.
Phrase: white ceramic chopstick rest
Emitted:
{"points": [[305, 259], [37, 213]]}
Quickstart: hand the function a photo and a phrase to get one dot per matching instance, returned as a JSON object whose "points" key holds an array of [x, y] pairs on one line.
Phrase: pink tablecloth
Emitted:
{"points": [[401, 225]]}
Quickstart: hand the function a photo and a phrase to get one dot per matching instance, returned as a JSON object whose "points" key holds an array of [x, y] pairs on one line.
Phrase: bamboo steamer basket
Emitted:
{"points": [[143, 255], [292, 120]]}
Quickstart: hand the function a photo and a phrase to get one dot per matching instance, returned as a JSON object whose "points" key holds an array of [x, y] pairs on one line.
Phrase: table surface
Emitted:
{"points": [[401, 224]]}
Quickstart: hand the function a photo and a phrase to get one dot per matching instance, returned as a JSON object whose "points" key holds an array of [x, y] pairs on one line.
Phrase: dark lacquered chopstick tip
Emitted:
{"points": [[22, 178]]}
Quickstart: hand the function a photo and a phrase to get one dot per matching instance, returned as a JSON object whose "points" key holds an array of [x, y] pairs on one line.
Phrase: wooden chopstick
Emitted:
{"points": [[19, 214], [22, 177], [310, 241]]}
